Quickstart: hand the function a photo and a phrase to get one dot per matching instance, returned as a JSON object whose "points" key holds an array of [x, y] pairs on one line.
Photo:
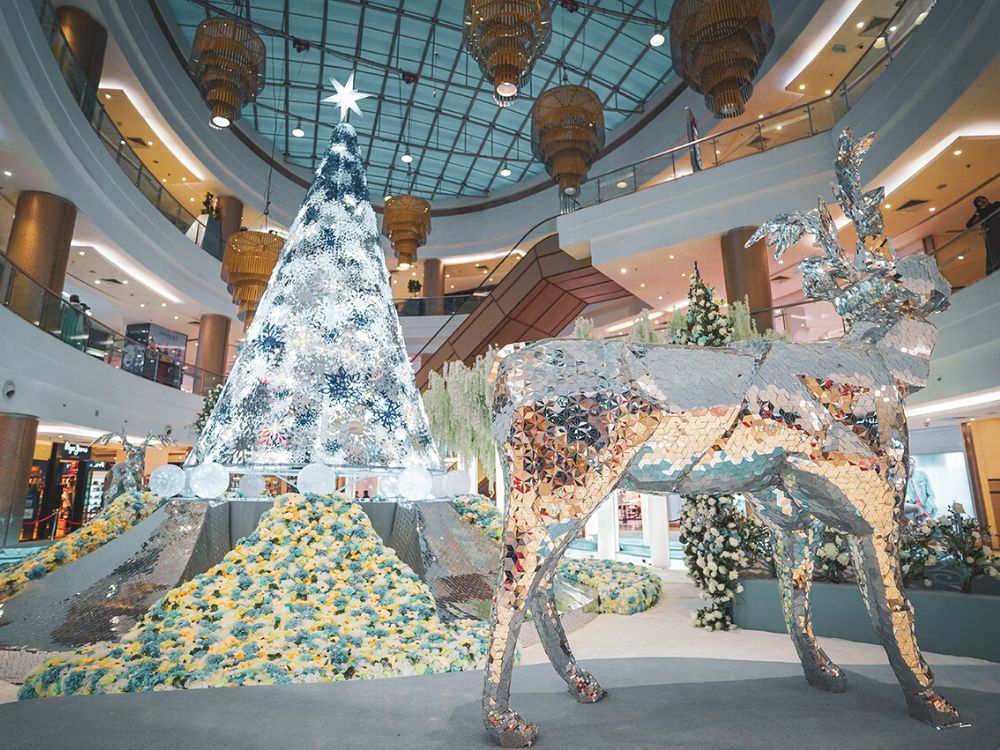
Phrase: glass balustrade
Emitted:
{"points": [[112, 138], [49, 312], [788, 126]]}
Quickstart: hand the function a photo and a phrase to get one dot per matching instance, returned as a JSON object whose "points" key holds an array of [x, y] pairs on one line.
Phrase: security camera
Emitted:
{"points": [[9, 389]]}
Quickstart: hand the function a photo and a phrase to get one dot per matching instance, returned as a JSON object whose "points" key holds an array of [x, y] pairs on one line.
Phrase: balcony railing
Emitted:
{"points": [[461, 304], [766, 133], [48, 311], [112, 138]]}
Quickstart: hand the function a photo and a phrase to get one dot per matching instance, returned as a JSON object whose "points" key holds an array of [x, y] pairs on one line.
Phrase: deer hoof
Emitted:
{"points": [[510, 730], [831, 679], [585, 688], [931, 708]]}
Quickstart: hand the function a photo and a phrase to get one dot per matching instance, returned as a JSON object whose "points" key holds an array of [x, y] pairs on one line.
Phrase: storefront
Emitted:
{"points": [[64, 491]]}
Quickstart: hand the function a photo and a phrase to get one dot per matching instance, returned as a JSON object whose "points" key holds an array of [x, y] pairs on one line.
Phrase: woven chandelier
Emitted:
{"points": [[406, 221], [506, 37], [247, 263], [567, 133], [718, 46], [228, 63]]}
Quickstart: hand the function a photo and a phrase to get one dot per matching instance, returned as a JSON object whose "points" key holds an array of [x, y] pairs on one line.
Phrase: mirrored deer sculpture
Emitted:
{"points": [[812, 434]]}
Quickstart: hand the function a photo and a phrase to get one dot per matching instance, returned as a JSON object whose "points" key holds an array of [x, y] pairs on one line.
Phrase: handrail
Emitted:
{"points": [[114, 140], [818, 115], [47, 310], [465, 302], [478, 294]]}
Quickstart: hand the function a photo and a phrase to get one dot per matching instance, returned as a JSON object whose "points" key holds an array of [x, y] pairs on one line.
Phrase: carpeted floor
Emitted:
{"points": [[653, 703]]}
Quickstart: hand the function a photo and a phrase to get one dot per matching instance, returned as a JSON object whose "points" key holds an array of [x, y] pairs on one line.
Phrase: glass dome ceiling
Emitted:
{"points": [[429, 98]]}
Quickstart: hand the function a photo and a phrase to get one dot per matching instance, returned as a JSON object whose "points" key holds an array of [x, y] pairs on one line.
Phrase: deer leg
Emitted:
{"points": [[582, 684], [524, 566], [876, 558], [794, 554]]}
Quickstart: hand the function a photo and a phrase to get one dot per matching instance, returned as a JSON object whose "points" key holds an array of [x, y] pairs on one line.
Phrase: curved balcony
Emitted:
{"points": [[75, 328], [113, 139]]}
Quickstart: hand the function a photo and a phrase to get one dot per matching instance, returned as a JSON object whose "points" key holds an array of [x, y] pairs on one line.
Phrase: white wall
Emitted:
{"points": [[56, 382]]}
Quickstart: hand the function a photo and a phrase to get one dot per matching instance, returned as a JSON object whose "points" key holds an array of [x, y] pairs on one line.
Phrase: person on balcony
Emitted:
{"points": [[988, 214]]}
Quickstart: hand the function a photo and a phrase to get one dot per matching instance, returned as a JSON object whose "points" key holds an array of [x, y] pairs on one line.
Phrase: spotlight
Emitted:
{"points": [[218, 122], [297, 131], [406, 158], [657, 40], [505, 171]]}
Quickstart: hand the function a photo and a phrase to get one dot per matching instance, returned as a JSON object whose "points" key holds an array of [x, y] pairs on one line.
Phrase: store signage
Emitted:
{"points": [[75, 449]]}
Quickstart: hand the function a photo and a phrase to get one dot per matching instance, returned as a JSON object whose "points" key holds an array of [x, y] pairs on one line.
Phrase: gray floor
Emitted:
{"points": [[653, 703]]}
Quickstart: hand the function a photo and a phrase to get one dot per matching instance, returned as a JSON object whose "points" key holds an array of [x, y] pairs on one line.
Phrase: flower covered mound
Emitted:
{"points": [[311, 595], [622, 588], [121, 515]]}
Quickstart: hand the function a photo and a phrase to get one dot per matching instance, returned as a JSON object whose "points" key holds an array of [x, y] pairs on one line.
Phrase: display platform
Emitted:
{"points": [[652, 703]]}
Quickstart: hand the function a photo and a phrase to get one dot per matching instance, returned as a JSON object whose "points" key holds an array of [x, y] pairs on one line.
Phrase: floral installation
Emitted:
{"points": [[965, 541], [121, 515], [622, 588], [832, 562], [312, 595], [715, 551], [918, 550], [459, 407]]}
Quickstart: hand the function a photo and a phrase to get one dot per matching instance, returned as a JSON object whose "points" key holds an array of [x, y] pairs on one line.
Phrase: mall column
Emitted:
{"points": [[607, 527], [434, 285], [40, 237], [746, 273], [17, 449], [210, 361]]}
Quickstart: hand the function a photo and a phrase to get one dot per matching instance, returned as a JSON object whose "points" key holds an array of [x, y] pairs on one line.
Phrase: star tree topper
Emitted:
{"points": [[347, 97]]}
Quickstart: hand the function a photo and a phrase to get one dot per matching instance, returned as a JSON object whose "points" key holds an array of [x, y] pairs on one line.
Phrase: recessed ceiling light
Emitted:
{"points": [[760, 117], [505, 171], [184, 179], [219, 122], [932, 209], [297, 131], [149, 143], [961, 257], [684, 274], [802, 87], [83, 252], [164, 179], [957, 152], [142, 304], [888, 205], [660, 297], [671, 257], [8, 173], [778, 128], [657, 40], [121, 142], [97, 281], [643, 286], [624, 270], [177, 317], [125, 281], [406, 158], [191, 199], [621, 184], [828, 92], [859, 25], [892, 29], [163, 304]]}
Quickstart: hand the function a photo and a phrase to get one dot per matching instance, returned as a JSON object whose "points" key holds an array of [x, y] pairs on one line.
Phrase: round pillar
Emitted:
{"points": [[747, 274], [88, 40], [230, 215], [434, 285], [213, 339], [17, 448], [40, 237]]}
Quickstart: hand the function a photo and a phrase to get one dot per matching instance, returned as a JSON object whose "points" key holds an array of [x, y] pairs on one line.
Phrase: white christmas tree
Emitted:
{"points": [[323, 376]]}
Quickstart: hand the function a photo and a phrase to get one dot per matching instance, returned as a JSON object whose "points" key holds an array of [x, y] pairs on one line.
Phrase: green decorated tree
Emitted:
{"points": [[705, 324]]}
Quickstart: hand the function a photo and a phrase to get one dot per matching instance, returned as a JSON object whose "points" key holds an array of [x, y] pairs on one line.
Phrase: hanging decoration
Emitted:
{"points": [[228, 62], [247, 262], [406, 222], [567, 133], [718, 46], [506, 37]]}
